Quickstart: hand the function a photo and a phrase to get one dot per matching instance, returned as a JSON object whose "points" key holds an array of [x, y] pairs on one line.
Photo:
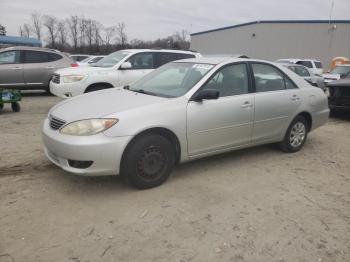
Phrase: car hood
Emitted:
{"points": [[331, 76], [82, 70], [101, 103], [345, 82]]}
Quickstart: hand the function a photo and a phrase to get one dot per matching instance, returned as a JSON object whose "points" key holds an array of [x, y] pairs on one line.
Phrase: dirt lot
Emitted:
{"points": [[253, 205]]}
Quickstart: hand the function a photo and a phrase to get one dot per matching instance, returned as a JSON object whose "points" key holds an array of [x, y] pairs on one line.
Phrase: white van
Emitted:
{"points": [[117, 69]]}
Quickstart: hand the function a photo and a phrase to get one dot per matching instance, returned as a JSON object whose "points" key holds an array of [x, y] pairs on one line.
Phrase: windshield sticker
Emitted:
{"points": [[202, 66]]}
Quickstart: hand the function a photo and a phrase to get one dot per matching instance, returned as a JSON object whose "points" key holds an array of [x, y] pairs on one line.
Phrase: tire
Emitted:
{"points": [[295, 136], [15, 107], [148, 161], [96, 88]]}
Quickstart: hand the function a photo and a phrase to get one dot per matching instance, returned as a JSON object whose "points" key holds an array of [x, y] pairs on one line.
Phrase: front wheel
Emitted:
{"points": [[148, 161], [295, 136]]}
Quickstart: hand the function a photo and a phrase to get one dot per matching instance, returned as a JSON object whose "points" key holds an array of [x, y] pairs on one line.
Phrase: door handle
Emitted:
{"points": [[51, 67], [246, 104], [16, 68], [295, 98]]}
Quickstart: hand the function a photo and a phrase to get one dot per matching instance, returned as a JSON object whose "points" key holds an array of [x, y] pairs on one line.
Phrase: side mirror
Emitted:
{"points": [[126, 65], [206, 94]]}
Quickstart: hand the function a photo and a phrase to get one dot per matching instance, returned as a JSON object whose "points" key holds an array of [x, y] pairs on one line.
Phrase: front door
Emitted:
{"points": [[224, 123], [11, 69], [141, 64]]}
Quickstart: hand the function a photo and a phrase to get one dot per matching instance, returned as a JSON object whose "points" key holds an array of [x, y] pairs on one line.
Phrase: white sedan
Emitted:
{"points": [[182, 111]]}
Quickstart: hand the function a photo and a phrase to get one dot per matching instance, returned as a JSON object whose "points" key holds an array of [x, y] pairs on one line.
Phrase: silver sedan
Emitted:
{"points": [[182, 111]]}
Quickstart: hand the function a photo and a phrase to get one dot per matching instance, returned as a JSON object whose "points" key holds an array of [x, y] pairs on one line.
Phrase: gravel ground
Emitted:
{"points": [[256, 204]]}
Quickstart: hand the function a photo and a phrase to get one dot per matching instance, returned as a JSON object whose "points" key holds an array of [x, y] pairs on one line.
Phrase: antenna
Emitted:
{"points": [[330, 13]]}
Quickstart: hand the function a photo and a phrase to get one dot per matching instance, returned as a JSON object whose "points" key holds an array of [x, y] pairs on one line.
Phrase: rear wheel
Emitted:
{"points": [[295, 136], [15, 107], [148, 161]]}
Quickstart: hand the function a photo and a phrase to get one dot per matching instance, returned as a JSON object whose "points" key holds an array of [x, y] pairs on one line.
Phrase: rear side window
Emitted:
{"points": [[54, 57], [267, 78], [166, 58], [36, 57], [184, 56], [318, 65], [305, 63], [9, 57]]}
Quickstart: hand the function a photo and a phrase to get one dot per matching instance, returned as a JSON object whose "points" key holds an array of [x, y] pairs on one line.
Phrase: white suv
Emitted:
{"points": [[117, 69], [314, 65]]}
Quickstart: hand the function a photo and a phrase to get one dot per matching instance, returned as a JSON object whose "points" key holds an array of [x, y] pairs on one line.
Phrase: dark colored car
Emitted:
{"points": [[339, 95]]}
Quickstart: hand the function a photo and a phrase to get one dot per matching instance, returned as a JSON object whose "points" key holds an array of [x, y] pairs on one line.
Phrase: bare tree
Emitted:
{"points": [[24, 30], [37, 25], [121, 34], [97, 34], [62, 34], [109, 34], [73, 23], [51, 24], [82, 32]]}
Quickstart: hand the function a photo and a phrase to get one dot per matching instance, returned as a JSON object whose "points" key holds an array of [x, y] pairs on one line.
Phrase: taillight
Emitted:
{"points": [[74, 65]]}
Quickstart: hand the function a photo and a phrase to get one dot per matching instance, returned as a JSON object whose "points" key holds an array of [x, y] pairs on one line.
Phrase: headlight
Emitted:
{"points": [[88, 127], [72, 78]]}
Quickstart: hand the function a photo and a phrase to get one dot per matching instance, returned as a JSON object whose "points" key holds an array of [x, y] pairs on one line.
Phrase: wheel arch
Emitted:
{"points": [[165, 132], [308, 118], [105, 84]]}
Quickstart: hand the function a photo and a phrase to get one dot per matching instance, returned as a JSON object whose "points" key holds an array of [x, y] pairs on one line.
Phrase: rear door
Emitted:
{"points": [[36, 68], [141, 64], [11, 69], [277, 99]]}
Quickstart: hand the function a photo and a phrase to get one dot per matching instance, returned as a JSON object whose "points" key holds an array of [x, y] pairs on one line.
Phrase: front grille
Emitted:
{"points": [[56, 123], [56, 78]]}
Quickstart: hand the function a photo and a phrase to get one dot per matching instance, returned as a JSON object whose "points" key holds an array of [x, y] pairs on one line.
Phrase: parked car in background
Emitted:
{"points": [[78, 58], [314, 65], [307, 74], [182, 111], [117, 69], [339, 95], [90, 60], [340, 71], [30, 67]]}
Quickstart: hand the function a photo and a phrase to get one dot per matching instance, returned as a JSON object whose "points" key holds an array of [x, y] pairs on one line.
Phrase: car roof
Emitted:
{"points": [[30, 48], [215, 60], [158, 50], [343, 65]]}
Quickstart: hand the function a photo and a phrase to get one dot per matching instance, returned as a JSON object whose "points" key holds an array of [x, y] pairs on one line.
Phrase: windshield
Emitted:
{"points": [[342, 70], [85, 60], [172, 79], [112, 59]]}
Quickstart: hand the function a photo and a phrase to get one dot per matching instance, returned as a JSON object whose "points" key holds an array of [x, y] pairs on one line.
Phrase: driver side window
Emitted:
{"points": [[230, 80], [142, 61]]}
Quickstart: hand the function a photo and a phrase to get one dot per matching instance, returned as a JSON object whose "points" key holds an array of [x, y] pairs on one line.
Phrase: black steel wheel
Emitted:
{"points": [[148, 161]]}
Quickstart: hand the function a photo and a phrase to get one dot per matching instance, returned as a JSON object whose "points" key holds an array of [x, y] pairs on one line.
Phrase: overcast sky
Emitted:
{"points": [[147, 19]]}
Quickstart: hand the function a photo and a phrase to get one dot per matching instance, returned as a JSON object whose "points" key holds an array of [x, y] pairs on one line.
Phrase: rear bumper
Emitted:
{"points": [[104, 152], [320, 118]]}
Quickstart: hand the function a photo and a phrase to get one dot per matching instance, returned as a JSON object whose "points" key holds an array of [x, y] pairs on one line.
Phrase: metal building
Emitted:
{"points": [[272, 40], [6, 41]]}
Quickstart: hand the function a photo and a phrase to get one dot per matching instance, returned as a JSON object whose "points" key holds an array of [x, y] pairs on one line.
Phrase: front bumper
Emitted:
{"points": [[105, 152], [66, 90]]}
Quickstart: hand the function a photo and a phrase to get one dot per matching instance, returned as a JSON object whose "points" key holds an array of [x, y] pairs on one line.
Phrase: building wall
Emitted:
{"points": [[271, 41]]}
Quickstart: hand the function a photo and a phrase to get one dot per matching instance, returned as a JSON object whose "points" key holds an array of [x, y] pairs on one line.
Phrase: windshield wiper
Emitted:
{"points": [[142, 91]]}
